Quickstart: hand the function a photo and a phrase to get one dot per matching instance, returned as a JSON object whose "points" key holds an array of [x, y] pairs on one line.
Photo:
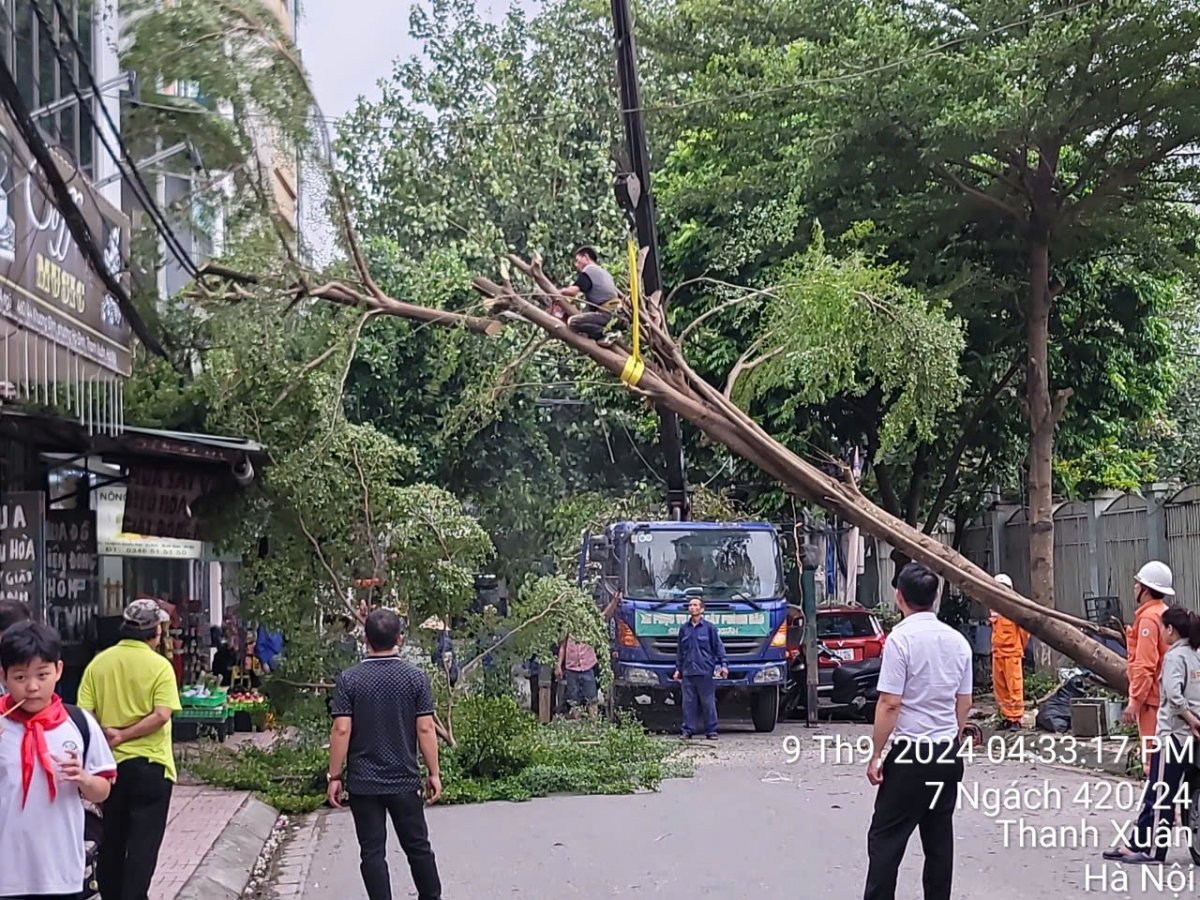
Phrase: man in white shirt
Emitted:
{"points": [[924, 698]]}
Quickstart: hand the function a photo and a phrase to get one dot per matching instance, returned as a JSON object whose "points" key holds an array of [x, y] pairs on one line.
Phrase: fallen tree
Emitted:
{"points": [[668, 380]]}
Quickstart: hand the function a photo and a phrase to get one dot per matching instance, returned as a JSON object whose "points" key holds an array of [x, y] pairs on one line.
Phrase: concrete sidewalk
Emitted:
{"points": [[212, 833], [198, 816]]}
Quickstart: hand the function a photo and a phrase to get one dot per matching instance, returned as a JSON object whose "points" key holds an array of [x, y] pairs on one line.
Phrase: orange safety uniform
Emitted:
{"points": [[1145, 646], [1008, 678]]}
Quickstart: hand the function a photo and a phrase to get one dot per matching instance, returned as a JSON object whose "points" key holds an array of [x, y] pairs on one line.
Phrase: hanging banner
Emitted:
{"points": [[113, 540], [22, 546], [47, 286], [160, 502]]}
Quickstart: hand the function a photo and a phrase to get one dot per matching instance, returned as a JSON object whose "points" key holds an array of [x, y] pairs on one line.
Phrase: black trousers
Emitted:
{"points": [[135, 819], [919, 791], [591, 323], [1165, 771], [407, 812]]}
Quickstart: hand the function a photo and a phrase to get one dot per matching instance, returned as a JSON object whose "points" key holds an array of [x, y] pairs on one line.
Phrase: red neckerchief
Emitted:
{"points": [[33, 745]]}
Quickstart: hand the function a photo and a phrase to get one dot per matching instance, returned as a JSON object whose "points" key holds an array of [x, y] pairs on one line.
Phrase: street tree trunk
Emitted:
{"points": [[1041, 430], [1044, 412]]}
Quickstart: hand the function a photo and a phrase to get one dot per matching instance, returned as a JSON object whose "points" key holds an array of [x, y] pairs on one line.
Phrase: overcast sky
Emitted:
{"points": [[348, 45]]}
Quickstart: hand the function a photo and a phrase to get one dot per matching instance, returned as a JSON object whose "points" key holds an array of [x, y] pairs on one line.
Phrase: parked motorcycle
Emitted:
{"points": [[854, 687], [795, 693]]}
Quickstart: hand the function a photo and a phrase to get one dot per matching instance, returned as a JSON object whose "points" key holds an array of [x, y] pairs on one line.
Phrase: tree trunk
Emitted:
{"points": [[916, 486], [1041, 430]]}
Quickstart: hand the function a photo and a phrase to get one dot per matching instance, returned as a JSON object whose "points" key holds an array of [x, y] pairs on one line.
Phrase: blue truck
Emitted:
{"points": [[648, 571]]}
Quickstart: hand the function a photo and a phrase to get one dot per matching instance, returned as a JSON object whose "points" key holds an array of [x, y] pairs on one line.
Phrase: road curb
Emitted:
{"points": [[227, 867]]}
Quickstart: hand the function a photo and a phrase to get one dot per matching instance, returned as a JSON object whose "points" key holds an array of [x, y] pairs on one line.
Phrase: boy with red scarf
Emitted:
{"points": [[43, 775]]}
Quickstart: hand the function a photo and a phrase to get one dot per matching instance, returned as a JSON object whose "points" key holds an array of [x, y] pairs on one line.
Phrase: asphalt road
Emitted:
{"points": [[751, 824]]}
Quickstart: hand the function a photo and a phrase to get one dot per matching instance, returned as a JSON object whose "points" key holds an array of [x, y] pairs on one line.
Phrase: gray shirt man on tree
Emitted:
{"points": [[600, 295]]}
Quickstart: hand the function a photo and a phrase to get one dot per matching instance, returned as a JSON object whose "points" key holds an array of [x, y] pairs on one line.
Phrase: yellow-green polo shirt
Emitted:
{"points": [[122, 686]]}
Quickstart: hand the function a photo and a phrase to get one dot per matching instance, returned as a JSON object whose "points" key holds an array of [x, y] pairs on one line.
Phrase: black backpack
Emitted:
{"points": [[93, 823]]}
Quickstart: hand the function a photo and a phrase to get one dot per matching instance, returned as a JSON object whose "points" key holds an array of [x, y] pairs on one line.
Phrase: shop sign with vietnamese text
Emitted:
{"points": [[22, 546], [113, 540], [47, 285]]}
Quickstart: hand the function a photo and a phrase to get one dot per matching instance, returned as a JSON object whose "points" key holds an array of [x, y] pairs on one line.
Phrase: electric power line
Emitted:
{"points": [[72, 215], [157, 217]]}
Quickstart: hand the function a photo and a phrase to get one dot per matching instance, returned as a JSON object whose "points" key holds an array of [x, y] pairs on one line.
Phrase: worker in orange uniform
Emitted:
{"points": [[1145, 646], [1008, 678]]}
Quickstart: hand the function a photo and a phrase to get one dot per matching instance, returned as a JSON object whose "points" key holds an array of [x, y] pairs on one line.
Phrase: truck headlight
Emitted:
{"points": [[769, 675], [640, 676]]}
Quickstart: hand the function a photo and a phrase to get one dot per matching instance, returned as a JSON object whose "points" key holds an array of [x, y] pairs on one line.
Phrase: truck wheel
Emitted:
{"points": [[765, 712]]}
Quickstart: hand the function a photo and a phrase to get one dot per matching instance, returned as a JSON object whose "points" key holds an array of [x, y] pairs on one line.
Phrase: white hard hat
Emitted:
{"points": [[1156, 576], [1004, 580]]}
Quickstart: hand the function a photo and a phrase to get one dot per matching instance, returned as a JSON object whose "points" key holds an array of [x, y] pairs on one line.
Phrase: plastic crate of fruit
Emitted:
{"points": [[248, 701]]}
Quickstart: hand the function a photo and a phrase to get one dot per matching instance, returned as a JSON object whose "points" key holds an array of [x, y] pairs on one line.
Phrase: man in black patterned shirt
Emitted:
{"points": [[382, 712]]}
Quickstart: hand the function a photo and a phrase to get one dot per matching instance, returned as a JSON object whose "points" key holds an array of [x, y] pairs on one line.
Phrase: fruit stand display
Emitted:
{"points": [[249, 709], [205, 708]]}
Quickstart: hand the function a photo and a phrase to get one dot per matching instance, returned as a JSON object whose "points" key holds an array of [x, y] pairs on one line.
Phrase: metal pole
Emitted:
{"points": [[645, 216], [808, 589]]}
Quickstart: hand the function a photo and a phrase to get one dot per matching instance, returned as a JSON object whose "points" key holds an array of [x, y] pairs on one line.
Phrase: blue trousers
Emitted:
{"points": [[699, 696]]}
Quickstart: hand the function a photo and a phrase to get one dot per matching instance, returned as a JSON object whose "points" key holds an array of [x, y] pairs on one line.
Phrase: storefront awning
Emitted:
{"points": [[48, 433]]}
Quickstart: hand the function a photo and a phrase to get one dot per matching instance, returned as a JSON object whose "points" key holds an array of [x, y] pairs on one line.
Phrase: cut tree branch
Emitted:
{"points": [[470, 667], [745, 364], [749, 295], [342, 294]]}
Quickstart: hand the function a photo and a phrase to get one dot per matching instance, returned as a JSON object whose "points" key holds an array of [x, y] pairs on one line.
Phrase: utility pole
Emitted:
{"points": [[635, 196]]}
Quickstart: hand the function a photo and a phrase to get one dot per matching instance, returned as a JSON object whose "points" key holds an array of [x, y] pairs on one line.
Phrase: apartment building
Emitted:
{"points": [[45, 85], [177, 189]]}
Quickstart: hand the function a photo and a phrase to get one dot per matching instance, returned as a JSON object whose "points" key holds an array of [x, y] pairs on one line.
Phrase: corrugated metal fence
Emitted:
{"points": [[1099, 545], [1183, 544]]}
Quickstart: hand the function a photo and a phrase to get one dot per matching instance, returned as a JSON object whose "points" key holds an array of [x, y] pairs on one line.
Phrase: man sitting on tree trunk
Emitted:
{"points": [[600, 295]]}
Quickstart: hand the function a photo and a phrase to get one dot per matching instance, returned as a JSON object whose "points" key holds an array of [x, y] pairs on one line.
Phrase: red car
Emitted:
{"points": [[852, 633]]}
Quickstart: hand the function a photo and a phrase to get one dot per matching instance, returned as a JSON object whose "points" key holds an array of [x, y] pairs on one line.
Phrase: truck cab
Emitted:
{"points": [[649, 571]]}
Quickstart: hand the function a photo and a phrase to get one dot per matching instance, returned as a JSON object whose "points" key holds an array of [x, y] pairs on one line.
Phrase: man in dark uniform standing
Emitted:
{"points": [[700, 653]]}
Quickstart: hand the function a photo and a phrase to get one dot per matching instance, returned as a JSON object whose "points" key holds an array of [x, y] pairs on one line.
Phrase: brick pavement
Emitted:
{"points": [[198, 816]]}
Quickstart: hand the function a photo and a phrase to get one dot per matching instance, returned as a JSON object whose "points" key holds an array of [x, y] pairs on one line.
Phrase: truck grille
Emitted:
{"points": [[734, 646]]}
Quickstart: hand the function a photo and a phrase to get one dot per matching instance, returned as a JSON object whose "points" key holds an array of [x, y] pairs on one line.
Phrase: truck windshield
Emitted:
{"points": [[714, 564]]}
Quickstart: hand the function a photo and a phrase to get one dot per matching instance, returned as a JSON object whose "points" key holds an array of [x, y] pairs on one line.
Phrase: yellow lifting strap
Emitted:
{"points": [[634, 367]]}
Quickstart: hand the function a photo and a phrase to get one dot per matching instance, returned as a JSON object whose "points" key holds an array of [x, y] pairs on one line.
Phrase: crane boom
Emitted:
{"points": [[638, 199]]}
